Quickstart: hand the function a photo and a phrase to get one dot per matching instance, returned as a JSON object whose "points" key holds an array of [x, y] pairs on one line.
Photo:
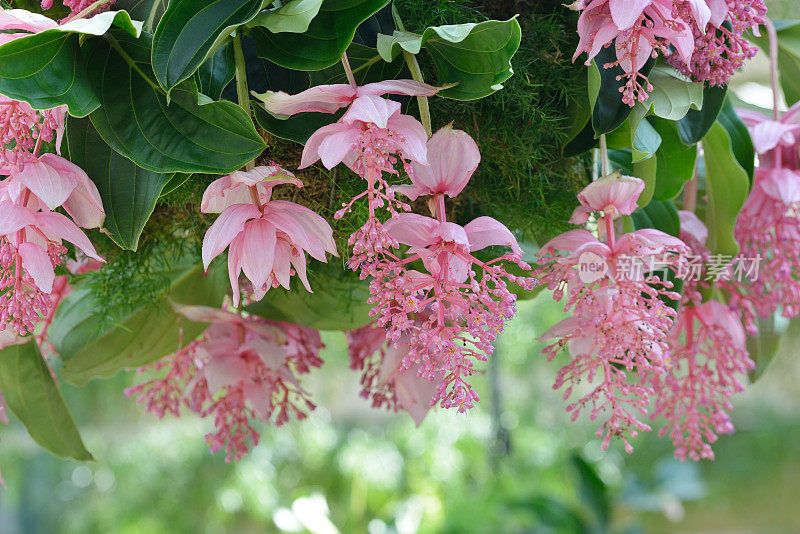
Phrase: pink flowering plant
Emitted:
{"points": [[196, 195]]}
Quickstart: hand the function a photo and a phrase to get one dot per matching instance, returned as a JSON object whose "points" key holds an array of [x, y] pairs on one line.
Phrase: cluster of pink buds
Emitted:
{"points": [[78, 6], [692, 34], [267, 239], [617, 332], [242, 369]]}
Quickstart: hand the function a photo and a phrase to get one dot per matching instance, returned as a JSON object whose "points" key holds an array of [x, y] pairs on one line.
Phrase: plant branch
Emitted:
{"points": [[242, 91], [605, 164], [416, 75], [773, 65]]}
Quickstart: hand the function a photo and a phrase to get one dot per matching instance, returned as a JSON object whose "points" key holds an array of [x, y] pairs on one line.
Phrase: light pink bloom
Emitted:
{"points": [[776, 142], [268, 242], [383, 378], [452, 158], [614, 195], [20, 19], [242, 369]]}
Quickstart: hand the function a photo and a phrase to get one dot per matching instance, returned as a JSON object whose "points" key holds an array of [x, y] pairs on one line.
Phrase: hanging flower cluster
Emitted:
{"points": [[242, 369], [617, 332], [701, 38]]}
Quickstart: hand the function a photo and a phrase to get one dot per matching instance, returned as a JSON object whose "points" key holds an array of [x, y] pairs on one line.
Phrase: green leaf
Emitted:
{"points": [[727, 186], [608, 109], [764, 347], [788, 56], [339, 302], [741, 143], [675, 160], [177, 180], [695, 125], [658, 214], [326, 39], [129, 193], [593, 491], [294, 17], [182, 136], [191, 31], [93, 347], [33, 396], [646, 170], [217, 72], [671, 98], [477, 57], [148, 11], [644, 140]]}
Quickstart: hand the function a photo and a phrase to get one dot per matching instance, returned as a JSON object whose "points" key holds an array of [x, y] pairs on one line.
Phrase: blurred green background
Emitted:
{"points": [[514, 464]]}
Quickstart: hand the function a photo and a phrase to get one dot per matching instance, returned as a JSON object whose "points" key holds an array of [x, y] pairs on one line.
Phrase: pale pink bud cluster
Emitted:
{"points": [[241, 370], [22, 127], [617, 333]]}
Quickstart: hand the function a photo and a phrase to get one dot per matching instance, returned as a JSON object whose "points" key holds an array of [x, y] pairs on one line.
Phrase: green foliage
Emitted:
{"points": [[33, 396], [695, 125]]}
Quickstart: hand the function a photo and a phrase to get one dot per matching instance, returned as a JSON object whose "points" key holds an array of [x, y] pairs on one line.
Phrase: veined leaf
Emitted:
{"points": [[741, 143], [727, 186], [92, 347], [675, 160], [191, 31], [148, 11], [671, 98], [695, 125], [328, 36], [129, 193], [217, 72], [477, 57], [293, 17], [33, 396], [182, 136]]}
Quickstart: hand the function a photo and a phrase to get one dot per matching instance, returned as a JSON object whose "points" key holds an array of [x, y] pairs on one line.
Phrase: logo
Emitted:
{"points": [[591, 267]]}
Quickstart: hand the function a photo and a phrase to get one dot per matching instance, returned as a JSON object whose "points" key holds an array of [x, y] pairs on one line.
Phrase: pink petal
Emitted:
{"points": [[452, 158], [414, 142], [626, 12], [258, 394], [768, 134], [8, 338], [371, 110], [567, 242], [282, 266], [14, 218], [780, 184], [485, 232], [311, 149], [693, 226], [84, 204], [222, 372], [299, 264], [321, 98], [228, 225], [398, 87], [60, 225], [412, 191], [258, 251], [223, 193], [701, 12], [47, 183], [719, 11], [333, 149], [412, 229], [37, 263], [234, 267], [21, 19], [306, 230], [614, 194]]}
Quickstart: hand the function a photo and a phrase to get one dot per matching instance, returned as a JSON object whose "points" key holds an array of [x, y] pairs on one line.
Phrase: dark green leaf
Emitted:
{"points": [[93, 347], [477, 57], [675, 160], [182, 136], [148, 11], [741, 143], [593, 491], [727, 186], [326, 39], [177, 180], [292, 17], [33, 396], [695, 125], [191, 31], [217, 72], [129, 193], [658, 214]]}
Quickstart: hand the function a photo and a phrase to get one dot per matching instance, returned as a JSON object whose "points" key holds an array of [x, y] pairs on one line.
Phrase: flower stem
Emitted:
{"points": [[349, 71], [605, 165], [243, 93], [416, 75], [773, 65], [690, 192], [439, 208]]}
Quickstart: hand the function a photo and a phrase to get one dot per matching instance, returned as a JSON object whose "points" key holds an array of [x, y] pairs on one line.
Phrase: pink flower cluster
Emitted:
{"points": [[77, 6], [241, 370], [617, 332], [690, 33]]}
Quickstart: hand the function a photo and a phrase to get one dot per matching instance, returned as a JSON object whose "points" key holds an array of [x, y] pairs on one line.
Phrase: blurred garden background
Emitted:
{"points": [[515, 464]]}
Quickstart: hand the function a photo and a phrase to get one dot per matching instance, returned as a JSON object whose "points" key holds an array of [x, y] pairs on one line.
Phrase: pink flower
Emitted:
{"points": [[22, 128], [614, 195], [20, 19], [243, 369], [383, 378], [707, 356], [771, 137], [268, 239], [452, 158]]}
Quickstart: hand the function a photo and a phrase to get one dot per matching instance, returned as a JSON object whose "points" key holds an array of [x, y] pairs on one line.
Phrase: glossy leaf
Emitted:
{"points": [[675, 160], [672, 97], [182, 136], [741, 143], [660, 215], [92, 346], [788, 56], [191, 31], [293, 17], [608, 109], [476, 57], [33, 396], [727, 186], [129, 193], [695, 125], [643, 141], [217, 72], [337, 303], [328, 36], [148, 11]]}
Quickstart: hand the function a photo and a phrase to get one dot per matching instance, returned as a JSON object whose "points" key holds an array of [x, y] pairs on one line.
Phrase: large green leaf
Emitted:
{"points": [[337, 303], [191, 31], [182, 136], [608, 109], [33, 396], [788, 56], [93, 347], [660, 215], [695, 125], [129, 193], [741, 143], [727, 186], [676, 161], [477, 57], [643, 141], [672, 97], [148, 11], [217, 72], [293, 17], [328, 35]]}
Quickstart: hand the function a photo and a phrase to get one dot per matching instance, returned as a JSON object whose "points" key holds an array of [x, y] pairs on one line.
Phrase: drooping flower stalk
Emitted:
{"points": [[241, 370]]}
